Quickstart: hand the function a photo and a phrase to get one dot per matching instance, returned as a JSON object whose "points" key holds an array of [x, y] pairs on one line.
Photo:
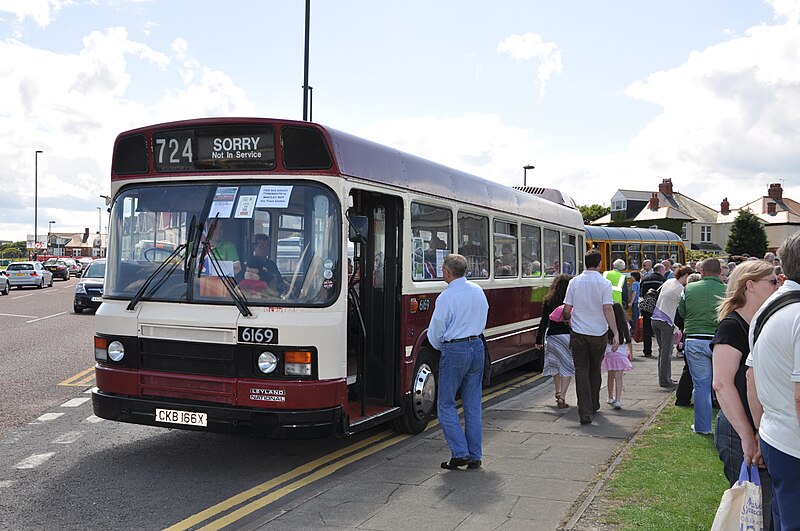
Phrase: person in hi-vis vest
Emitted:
{"points": [[619, 282]]}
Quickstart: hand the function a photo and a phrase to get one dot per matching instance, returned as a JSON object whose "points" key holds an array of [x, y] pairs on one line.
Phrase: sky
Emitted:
{"points": [[597, 96]]}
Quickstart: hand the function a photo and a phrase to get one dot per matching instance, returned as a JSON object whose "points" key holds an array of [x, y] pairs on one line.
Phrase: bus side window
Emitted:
{"points": [[531, 241], [552, 253], [435, 228], [473, 243]]}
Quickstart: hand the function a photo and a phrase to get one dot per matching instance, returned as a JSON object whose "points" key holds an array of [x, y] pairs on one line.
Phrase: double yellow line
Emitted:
{"points": [[313, 471], [82, 379]]}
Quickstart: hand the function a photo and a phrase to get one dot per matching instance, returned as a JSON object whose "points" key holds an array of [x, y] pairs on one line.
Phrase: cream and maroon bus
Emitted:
{"points": [[324, 331]]}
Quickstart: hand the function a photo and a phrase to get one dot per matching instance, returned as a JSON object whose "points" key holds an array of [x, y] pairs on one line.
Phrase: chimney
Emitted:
{"points": [[85, 235], [653, 204], [725, 207], [775, 192], [665, 187]]}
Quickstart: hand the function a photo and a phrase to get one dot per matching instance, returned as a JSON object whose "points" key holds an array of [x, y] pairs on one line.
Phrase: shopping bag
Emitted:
{"points": [[638, 330], [740, 507]]}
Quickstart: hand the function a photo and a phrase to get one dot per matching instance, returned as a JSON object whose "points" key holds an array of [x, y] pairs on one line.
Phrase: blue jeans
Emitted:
{"points": [[698, 356], [785, 472], [461, 366]]}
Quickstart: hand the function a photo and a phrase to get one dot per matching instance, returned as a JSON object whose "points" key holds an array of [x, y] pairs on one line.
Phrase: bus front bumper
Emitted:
{"points": [[282, 424]]}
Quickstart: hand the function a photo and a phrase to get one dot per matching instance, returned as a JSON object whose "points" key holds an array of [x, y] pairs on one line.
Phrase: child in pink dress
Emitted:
{"points": [[619, 361]]}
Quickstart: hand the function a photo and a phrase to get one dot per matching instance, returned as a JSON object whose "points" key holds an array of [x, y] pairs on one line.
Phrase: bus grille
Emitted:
{"points": [[188, 358], [188, 388]]}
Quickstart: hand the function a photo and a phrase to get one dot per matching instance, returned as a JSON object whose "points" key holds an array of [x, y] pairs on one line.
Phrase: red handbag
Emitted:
{"points": [[638, 330]]}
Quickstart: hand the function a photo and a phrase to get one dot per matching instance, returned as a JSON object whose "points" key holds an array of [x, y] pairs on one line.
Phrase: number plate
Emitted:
{"points": [[97, 299], [258, 336], [174, 416]]}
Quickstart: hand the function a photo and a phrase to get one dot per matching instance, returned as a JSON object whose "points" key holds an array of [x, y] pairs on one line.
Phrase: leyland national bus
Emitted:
{"points": [[634, 245], [289, 272]]}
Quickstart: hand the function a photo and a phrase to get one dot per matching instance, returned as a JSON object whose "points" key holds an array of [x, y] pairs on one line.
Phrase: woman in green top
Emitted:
{"points": [[224, 251]]}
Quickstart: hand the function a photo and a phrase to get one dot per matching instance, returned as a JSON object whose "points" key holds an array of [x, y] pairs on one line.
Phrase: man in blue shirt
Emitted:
{"points": [[458, 320]]}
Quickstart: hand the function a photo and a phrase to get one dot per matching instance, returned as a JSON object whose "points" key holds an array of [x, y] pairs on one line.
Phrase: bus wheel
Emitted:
{"points": [[419, 409]]}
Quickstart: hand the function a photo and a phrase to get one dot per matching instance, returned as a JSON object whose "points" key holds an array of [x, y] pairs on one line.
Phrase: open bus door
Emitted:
{"points": [[373, 338]]}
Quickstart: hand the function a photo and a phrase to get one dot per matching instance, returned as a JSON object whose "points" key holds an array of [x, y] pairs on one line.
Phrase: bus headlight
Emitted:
{"points": [[267, 362], [116, 351]]}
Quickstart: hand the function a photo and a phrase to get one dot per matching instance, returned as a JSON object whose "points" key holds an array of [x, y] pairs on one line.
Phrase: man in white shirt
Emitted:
{"points": [[775, 380], [588, 307]]}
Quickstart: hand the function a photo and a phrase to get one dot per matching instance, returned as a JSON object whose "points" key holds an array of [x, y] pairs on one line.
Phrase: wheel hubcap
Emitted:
{"points": [[424, 391]]}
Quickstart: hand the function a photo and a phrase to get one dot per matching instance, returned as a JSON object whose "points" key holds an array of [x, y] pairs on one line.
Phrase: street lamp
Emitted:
{"points": [[49, 237], [525, 174], [306, 91], [36, 202]]}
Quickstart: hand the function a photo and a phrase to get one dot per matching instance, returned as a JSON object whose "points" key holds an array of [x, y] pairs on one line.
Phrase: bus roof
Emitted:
{"points": [[630, 233], [363, 159]]}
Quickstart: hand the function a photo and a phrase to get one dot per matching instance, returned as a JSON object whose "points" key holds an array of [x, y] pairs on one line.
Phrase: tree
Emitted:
{"points": [[747, 235], [593, 212]]}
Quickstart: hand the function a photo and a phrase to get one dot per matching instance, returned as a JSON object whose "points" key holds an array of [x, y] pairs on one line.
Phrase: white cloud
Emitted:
{"points": [[788, 9], [72, 106], [532, 46], [731, 116]]}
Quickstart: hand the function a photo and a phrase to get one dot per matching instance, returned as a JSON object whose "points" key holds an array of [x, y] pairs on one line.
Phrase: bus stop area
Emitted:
{"points": [[541, 469]]}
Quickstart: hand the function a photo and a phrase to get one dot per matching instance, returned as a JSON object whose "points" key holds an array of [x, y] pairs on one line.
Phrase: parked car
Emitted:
{"points": [[4, 285], [89, 289], [84, 262], [74, 267], [28, 274], [59, 268]]}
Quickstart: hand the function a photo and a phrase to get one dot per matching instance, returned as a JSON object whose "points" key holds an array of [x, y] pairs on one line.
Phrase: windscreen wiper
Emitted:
{"points": [[237, 296], [168, 261], [230, 287]]}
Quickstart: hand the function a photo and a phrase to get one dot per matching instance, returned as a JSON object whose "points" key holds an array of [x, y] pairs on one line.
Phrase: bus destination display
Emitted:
{"points": [[245, 148]]}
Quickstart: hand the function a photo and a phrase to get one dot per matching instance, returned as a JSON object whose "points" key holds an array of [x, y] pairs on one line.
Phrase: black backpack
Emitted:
{"points": [[781, 301]]}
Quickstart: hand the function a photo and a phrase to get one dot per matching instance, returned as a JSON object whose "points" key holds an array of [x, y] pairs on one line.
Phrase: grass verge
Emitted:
{"points": [[671, 479]]}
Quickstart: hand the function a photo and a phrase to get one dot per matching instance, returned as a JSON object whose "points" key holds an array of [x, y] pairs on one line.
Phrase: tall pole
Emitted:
{"points": [[36, 202], [305, 69]]}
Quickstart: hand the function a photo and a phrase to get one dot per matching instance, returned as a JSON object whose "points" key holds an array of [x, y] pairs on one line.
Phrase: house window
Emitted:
{"points": [[618, 205], [685, 231], [705, 233]]}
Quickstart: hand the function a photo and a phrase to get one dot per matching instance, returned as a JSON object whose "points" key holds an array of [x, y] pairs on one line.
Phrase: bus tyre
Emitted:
{"points": [[420, 407]]}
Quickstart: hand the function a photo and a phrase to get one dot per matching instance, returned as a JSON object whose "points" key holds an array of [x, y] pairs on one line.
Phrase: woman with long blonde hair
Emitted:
{"points": [[735, 435]]}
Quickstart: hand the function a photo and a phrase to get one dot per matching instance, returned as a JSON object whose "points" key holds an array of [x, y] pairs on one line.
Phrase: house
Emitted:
{"points": [[667, 209], [780, 215], [79, 244]]}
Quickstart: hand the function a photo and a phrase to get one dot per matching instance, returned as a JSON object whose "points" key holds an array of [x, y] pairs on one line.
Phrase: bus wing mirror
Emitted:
{"points": [[359, 229]]}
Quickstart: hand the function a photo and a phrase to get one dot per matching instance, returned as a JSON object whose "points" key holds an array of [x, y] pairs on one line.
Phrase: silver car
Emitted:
{"points": [[28, 274], [4, 286]]}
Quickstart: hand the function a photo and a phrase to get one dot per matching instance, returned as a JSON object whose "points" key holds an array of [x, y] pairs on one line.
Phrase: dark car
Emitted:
{"points": [[4, 286], [89, 289], [59, 268]]}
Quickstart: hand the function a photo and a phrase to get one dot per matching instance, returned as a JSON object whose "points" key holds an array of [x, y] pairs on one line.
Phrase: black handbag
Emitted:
{"points": [[647, 303]]}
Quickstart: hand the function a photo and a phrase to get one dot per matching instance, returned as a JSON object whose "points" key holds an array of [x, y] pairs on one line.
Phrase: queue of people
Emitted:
{"points": [[736, 341]]}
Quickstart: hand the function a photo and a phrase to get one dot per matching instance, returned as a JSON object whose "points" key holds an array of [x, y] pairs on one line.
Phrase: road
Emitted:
{"points": [[62, 467]]}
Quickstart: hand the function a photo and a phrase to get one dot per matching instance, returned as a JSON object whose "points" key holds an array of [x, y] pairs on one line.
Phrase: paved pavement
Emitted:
{"points": [[540, 468]]}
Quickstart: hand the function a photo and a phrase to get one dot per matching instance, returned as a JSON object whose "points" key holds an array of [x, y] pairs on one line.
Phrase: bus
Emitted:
{"points": [[190, 337], [634, 245]]}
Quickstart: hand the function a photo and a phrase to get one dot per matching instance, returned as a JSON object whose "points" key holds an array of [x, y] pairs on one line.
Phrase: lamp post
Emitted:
{"points": [[525, 174], [36, 202], [49, 237], [305, 66]]}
